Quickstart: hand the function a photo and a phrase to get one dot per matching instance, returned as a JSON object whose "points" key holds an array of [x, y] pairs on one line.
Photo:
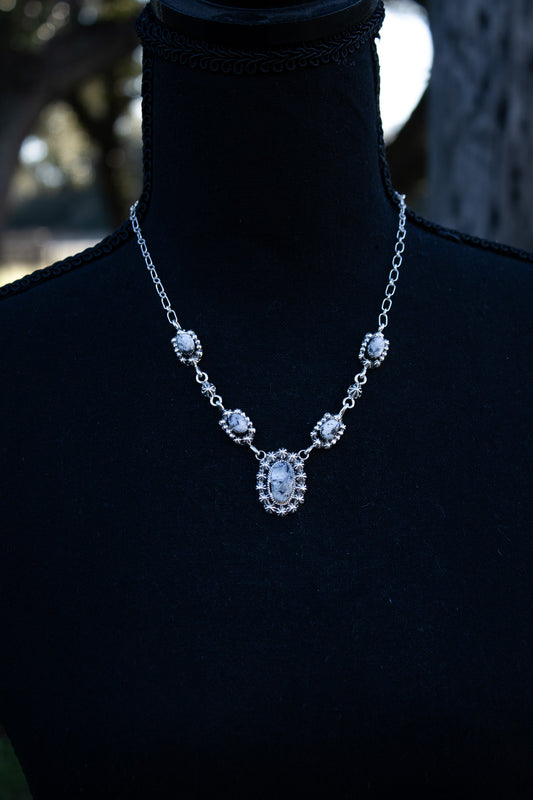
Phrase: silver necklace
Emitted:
{"points": [[281, 480]]}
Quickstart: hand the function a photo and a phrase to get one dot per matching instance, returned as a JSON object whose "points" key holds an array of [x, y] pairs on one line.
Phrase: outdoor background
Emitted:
{"points": [[70, 120], [70, 131]]}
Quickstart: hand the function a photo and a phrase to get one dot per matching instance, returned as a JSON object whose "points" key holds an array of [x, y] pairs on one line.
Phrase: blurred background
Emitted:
{"points": [[70, 142], [70, 134], [70, 121]]}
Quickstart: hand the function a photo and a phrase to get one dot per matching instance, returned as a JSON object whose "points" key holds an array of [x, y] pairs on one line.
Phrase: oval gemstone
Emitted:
{"points": [[185, 343], [376, 346], [237, 423], [329, 428], [281, 481]]}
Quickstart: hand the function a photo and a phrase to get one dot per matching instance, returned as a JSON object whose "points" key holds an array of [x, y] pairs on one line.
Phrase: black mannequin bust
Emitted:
{"points": [[164, 636]]}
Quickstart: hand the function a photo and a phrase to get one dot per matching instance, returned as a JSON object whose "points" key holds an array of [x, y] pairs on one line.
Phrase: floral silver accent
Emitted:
{"points": [[238, 426], [187, 347], [328, 431], [373, 350], [208, 389], [281, 482], [355, 390]]}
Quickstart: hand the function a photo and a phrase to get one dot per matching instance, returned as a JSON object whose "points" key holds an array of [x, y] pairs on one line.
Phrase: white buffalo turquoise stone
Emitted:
{"points": [[375, 347], [185, 343], [281, 481], [329, 428], [237, 423]]}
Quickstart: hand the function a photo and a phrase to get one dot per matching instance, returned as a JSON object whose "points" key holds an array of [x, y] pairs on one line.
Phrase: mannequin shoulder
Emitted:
{"points": [[462, 271], [77, 286]]}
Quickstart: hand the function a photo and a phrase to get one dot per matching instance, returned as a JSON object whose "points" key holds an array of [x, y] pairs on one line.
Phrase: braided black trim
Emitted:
{"points": [[121, 234], [172, 46], [107, 245]]}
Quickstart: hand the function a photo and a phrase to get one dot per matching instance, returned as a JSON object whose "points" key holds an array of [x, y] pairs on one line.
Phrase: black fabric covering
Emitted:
{"points": [[162, 635], [249, 23]]}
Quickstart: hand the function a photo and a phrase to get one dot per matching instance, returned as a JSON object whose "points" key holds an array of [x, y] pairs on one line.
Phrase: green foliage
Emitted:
{"points": [[13, 784]]}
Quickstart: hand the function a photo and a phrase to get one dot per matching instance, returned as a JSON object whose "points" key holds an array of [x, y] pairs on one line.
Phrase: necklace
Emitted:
{"points": [[281, 480]]}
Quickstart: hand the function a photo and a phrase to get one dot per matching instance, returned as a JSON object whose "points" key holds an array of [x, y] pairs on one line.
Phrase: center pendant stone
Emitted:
{"points": [[281, 482]]}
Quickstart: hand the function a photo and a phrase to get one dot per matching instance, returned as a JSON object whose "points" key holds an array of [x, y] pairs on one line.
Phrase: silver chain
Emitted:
{"points": [[394, 274], [160, 289], [354, 391]]}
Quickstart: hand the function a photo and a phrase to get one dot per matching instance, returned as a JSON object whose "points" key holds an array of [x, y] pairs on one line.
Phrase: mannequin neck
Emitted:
{"points": [[292, 155]]}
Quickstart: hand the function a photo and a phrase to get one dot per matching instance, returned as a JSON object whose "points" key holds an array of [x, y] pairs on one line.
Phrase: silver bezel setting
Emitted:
{"points": [[263, 482], [238, 438], [195, 356], [316, 433], [368, 361]]}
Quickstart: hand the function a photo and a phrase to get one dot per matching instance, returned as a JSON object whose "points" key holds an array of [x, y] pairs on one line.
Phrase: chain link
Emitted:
{"points": [[160, 289], [304, 454], [259, 454], [397, 259], [201, 377]]}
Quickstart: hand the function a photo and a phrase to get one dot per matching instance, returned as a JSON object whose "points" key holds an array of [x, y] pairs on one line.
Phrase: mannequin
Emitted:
{"points": [[163, 635]]}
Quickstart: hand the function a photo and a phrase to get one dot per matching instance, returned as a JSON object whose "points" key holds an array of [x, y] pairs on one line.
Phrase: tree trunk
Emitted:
{"points": [[20, 103], [28, 82], [481, 118], [100, 127]]}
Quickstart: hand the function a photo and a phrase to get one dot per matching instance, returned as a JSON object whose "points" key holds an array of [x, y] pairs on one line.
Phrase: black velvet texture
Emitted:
{"points": [[162, 635]]}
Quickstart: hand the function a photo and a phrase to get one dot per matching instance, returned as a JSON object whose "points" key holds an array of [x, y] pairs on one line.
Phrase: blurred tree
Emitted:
{"points": [[99, 119], [48, 48], [475, 123], [477, 136], [481, 118], [407, 152]]}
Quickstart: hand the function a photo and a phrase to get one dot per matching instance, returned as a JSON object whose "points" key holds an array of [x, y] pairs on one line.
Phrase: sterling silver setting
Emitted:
{"points": [[281, 482], [238, 426], [328, 431], [374, 349], [190, 356]]}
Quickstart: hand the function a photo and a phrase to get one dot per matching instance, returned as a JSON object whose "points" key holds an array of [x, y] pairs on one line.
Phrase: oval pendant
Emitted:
{"points": [[281, 482]]}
